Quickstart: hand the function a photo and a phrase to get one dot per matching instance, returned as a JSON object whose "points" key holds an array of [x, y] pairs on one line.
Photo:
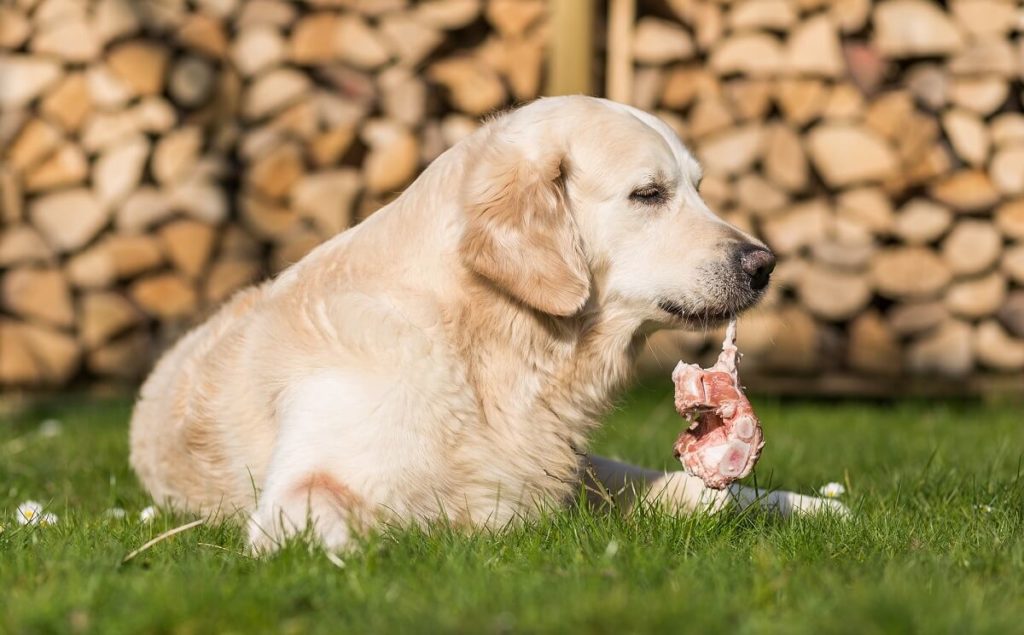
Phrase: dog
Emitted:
{"points": [[449, 357]]}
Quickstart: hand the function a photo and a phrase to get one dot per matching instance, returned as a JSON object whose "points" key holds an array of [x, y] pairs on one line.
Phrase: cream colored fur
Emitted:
{"points": [[450, 356]]}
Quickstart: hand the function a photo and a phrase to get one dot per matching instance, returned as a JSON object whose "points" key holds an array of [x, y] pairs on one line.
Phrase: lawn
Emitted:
{"points": [[934, 545]]}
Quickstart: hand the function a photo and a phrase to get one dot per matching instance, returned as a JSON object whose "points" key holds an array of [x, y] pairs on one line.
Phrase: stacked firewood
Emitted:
{"points": [[156, 155], [878, 148]]}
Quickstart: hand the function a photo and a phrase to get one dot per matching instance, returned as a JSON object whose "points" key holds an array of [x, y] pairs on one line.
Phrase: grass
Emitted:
{"points": [[934, 546]]}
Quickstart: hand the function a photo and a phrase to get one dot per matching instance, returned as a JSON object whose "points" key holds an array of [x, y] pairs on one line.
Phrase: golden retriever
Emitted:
{"points": [[449, 356]]}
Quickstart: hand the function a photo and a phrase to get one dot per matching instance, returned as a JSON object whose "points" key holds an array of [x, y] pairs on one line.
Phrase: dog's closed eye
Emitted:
{"points": [[652, 194]]}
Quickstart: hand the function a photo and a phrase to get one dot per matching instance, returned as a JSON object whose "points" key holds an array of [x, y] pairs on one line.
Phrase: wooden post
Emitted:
{"points": [[570, 64], [621, 16]]}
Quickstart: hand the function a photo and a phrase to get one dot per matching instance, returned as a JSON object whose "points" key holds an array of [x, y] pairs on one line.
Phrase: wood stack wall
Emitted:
{"points": [[156, 155]]}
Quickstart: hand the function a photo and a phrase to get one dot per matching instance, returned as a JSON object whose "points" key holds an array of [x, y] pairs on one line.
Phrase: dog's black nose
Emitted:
{"points": [[758, 263]]}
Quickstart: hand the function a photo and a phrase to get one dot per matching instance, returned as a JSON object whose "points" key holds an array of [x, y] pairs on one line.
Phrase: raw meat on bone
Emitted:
{"points": [[724, 438]]}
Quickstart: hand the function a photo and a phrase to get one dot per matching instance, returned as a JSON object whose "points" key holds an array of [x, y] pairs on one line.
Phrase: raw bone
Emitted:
{"points": [[724, 438]]}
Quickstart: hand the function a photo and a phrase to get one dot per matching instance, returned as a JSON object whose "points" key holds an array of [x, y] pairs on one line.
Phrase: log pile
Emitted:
{"points": [[878, 148], [156, 155]]}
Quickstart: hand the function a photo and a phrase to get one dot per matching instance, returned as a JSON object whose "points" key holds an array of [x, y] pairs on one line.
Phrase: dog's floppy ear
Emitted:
{"points": [[519, 232]]}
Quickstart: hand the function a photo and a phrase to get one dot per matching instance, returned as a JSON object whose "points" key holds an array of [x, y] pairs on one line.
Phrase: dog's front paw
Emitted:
{"points": [[828, 505], [798, 504]]}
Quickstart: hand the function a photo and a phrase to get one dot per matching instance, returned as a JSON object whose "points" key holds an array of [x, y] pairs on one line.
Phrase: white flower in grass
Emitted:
{"points": [[31, 513], [147, 515], [985, 509], [50, 428], [832, 490], [28, 512], [115, 512], [611, 549]]}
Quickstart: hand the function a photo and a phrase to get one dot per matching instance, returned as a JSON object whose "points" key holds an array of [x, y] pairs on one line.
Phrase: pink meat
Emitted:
{"points": [[724, 438]]}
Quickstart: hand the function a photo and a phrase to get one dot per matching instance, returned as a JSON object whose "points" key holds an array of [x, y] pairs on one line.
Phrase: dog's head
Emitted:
{"points": [[577, 202]]}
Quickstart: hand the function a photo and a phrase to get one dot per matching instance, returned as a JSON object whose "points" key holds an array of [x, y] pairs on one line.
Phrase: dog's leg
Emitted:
{"points": [[786, 503], [317, 501], [322, 437], [626, 484]]}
